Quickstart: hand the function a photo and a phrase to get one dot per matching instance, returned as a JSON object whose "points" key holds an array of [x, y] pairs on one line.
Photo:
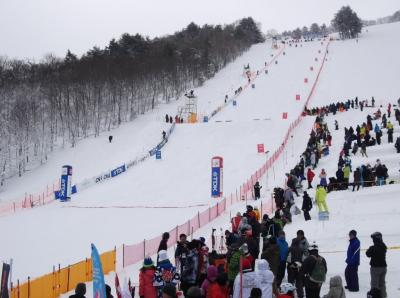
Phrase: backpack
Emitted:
{"points": [[318, 274]]}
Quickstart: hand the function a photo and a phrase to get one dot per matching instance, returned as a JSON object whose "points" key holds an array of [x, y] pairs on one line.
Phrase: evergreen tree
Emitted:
{"points": [[347, 23]]}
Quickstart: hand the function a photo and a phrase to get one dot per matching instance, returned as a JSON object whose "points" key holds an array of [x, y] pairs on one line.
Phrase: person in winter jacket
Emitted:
{"points": [[189, 264], [163, 243], [264, 278], [272, 255], [377, 253], [212, 274], [257, 213], [234, 265], [244, 225], [353, 261], [236, 222], [357, 179], [286, 291], [313, 159], [397, 144], [219, 289], [314, 269], [310, 177], [378, 133], [320, 197], [165, 273], [146, 275], [257, 188], [283, 254], [346, 176], [288, 197], [323, 176], [340, 178], [306, 206], [390, 132], [181, 246], [80, 291], [108, 292], [248, 281], [295, 261], [335, 288]]}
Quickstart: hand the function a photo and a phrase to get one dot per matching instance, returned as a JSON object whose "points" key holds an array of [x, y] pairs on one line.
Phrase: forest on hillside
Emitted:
{"points": [[59, 101]]}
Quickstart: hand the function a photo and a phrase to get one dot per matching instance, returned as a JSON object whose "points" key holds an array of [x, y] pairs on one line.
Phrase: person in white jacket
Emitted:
{"points": [[249, 281], [264, 278]]}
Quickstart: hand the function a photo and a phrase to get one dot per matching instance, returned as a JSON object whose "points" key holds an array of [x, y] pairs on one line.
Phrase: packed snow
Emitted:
{"points": [[62, 232]]}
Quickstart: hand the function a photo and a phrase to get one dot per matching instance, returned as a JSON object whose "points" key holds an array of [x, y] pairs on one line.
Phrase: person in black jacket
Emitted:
{"points": [[295, 260], [310, 264], [397, 144], [80, 291], [307, 206], [181, 245], [257, 188], [377, 253], [163, 243]]}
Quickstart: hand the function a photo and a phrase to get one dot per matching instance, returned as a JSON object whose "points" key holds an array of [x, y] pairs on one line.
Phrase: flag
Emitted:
{"points": [[117, 287], [99, 287], [5, 273], [284, 115]]}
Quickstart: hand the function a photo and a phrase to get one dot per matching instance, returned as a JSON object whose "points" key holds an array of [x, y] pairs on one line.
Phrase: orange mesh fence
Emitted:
{"points": [[63, 280]]}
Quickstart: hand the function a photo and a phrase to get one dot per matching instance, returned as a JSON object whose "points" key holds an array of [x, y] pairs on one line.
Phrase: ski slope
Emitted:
{"points": [[62, 233]]}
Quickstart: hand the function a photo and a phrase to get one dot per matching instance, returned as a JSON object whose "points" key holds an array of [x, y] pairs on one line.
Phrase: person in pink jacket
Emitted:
{"points": [[212, 274], [146, 275]]}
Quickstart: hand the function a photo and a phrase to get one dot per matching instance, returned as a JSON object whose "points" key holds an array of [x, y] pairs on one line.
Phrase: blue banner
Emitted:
{"points": [[65, 188], [118, 171], [215, 181], [99, 286]]}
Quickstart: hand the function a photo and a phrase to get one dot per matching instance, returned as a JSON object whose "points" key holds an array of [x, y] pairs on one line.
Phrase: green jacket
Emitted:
{"points": [[346, 172], [320, 194], [234, 265]]}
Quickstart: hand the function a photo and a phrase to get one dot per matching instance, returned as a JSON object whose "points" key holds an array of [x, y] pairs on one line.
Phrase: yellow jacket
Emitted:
{"points": [[320, 194]]}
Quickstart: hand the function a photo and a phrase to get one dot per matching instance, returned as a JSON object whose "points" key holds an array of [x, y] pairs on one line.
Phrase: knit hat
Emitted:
{"points": [[162, 255], [169, 290], [80, 289], [353, 232], [194, 292], [212, 272], [148, 262]]}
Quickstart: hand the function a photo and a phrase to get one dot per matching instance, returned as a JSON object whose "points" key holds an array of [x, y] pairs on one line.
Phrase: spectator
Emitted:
{"points": [[169, 291], [283, 254], [377, 253], [306, 206], [80, 291], [212, 274], [314, 269], [323, 176], [310, 177], [320, 197], [272, 255], [165, 275], [353, 261], [265, 278], [146, 275], [248, 281], [335, 288]]}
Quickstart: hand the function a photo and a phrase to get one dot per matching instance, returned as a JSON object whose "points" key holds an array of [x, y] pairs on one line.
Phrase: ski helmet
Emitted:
{"points": [[286, 288]]}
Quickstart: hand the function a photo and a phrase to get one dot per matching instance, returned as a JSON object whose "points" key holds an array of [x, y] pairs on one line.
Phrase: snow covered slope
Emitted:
{"points": [[61, 233]]}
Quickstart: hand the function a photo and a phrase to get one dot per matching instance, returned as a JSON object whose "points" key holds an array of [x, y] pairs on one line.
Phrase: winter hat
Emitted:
{"points": [[244, 248], [169, 290], [202, 240], [353, 233], [80, 289], [148, 262], [262, 265], [255, 293], [313, 246], [287, 288], [374, 293], [246, 265], [212, 272], [376, 236], [239, 214], [194, 292], [162, 255]]}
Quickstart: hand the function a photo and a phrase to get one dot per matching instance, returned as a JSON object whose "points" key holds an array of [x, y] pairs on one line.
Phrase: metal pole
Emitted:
{"points": [[266, 175]]}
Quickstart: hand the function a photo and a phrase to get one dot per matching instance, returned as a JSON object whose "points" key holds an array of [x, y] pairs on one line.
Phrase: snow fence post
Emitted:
{"points": [[236, 195], [176, 233], [68, 273], [189, 227], [209, 214], [144, 249], [217, 209], [198, 218], [123, 255]]}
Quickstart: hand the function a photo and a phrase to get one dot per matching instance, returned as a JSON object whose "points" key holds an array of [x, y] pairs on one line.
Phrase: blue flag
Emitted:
{"points": [[99, 287]]}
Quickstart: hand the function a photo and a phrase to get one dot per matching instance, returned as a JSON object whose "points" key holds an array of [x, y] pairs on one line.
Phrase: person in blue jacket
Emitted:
{"points": [[353, 261], [283, 254]]}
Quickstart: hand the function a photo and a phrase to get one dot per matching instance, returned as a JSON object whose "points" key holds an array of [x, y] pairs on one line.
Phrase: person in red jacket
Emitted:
{"points": [[146, 288], [219, 289], [310, 177], [235, 223]]}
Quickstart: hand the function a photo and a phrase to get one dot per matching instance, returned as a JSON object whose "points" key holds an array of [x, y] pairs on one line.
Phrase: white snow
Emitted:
{"points": [[59, 233]]}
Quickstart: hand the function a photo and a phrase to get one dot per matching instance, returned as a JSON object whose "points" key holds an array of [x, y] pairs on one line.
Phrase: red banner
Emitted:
{"points": [[260, 148]]}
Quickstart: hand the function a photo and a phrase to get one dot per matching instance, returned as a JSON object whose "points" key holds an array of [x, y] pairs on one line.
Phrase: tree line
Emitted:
{"points": [[58, 101]]}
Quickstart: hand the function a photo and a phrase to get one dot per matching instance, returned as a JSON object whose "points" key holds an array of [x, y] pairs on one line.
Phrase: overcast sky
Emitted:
{"points": [[33, 28]]}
